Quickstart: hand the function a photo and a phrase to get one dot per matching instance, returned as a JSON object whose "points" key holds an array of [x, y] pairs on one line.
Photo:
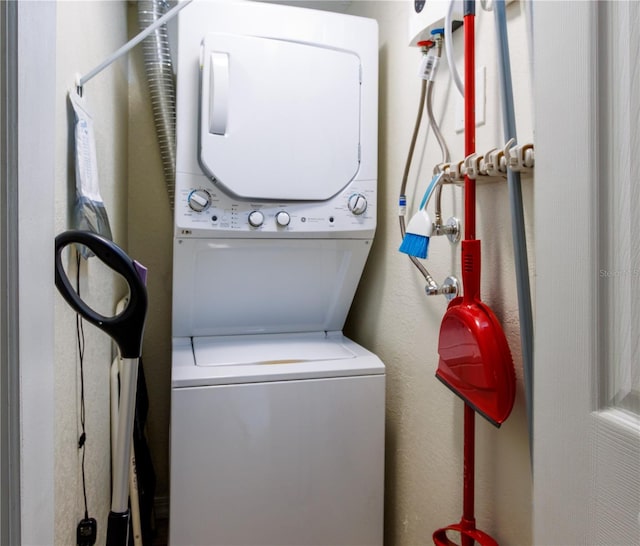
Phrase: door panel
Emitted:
{"points": [[586, 438]]}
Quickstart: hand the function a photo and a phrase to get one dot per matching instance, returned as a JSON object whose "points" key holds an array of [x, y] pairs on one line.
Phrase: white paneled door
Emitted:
{"points": [[587, 210]]}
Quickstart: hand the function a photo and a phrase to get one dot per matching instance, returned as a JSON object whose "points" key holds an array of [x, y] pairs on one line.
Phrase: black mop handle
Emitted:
{"points": [[126, 329], [118, 529]]}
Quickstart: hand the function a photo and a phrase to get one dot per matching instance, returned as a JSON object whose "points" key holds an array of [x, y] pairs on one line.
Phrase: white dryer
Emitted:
{"points": [[277, 419]]}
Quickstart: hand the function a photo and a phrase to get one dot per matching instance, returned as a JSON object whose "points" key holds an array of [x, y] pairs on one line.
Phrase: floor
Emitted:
{"points": [[162, 533]]}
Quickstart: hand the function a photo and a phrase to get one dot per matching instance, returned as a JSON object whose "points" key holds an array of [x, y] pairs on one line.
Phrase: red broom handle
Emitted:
{"points": [[468, 489], [469, 122], [468, 521]]}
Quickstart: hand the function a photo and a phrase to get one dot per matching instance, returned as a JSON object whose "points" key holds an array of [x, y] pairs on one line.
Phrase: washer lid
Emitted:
{"points": [[278, 119], [232, 360], [268, 350]]}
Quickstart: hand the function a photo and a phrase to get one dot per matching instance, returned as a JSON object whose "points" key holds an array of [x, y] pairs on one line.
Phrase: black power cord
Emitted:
{"points": [[87, 530]]}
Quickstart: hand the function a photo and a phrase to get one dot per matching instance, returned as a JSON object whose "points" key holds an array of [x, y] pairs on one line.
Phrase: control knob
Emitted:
{"points": [[357, 203], [199, 200], [256, 218], [283, 218]]}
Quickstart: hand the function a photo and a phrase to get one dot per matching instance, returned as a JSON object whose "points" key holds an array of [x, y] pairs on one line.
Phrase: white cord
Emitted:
{"points": [[448, 49], [82, 80]]}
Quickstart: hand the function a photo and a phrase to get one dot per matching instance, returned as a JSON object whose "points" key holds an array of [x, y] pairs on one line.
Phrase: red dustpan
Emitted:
{"points": [[475, 361]]}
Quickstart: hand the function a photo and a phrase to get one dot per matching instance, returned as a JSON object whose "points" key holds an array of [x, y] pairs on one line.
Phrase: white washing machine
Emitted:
{"points": [[277, 419]]}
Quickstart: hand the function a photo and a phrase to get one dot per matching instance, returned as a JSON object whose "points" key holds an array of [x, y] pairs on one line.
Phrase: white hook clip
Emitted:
{"points": [[526, 156], [472, 164], [510, 157], [492, 163], [457, 171], [443, 169], [520, 158]]}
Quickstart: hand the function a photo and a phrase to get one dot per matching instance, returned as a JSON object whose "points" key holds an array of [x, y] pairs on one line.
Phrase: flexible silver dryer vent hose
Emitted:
{"points": [[159, 69]]}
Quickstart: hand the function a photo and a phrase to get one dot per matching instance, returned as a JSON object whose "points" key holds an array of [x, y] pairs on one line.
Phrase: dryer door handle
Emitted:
{"points": [[218, 92]]}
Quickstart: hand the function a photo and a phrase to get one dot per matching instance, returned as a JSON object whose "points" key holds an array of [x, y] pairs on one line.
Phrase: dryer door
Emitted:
{"points": [[278, 119]]}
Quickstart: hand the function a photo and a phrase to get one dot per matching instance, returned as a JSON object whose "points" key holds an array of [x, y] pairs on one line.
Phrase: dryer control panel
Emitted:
{"points": [[204, 210], [276, 122]]}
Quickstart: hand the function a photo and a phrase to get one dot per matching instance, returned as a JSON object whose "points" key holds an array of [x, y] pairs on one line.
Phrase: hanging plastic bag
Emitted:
{"points": [[89, 211]]}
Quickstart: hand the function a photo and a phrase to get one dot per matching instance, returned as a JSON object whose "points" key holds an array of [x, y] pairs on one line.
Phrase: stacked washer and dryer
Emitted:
{"points": [[277, 419]]}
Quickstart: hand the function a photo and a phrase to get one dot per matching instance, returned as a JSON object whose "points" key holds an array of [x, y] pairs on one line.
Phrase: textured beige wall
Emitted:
{"points": [[392, 316], [87, 32], [150, 240]]}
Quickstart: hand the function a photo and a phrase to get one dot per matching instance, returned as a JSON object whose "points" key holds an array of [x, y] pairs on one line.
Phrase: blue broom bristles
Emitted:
{"points": [[415, 245], [416, 239]]}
